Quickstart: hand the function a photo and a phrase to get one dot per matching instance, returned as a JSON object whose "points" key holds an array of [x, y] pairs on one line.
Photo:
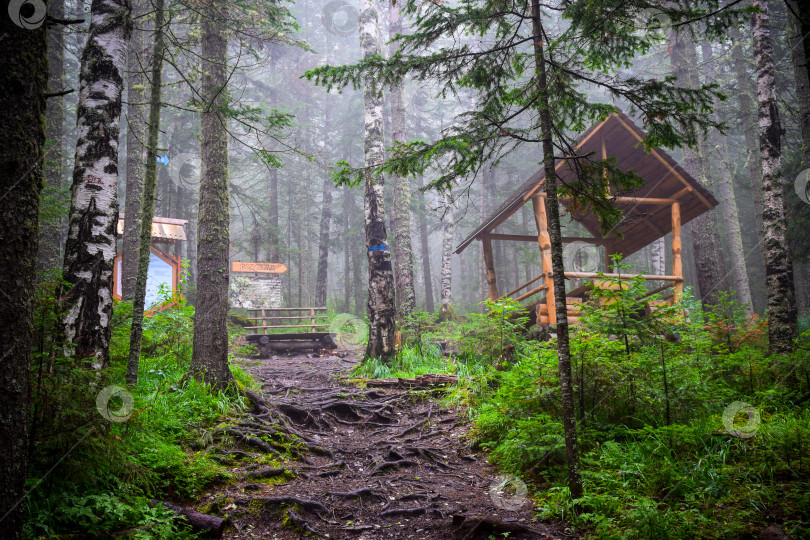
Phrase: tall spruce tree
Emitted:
{"points": [[209, 360], [532, 84], [24, 79], [50, 224], [147, 210], [137, 66]]}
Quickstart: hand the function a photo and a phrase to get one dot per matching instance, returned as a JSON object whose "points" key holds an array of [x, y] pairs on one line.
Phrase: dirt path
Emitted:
{"points": [[382, 463]]}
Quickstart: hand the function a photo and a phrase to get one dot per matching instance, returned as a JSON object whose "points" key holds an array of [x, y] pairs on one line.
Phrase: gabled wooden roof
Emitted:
{"points": [[163, 229], [642, 223]]}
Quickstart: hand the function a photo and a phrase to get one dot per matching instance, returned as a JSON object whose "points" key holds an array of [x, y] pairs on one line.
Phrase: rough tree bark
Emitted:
{"points": [[782, 315], [749, 126], [381, 308], [323, 242], [137, 64], [427, 275], [704, 228], [51, 226], [209, 360], [800, 73], [403, 253], [553, 210], [347, 259], [148, 199], [483, 289], [448, 230], [658, 256], [326, 207], [802, 82], [728, 203], [274, 232], [24, 80], [86, 301]]}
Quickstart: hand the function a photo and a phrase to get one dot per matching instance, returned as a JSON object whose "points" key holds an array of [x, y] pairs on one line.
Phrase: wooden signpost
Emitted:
{"points": [[259, 267]]}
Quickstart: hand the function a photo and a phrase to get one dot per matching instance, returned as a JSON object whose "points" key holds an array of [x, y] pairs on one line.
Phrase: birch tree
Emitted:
{"points": [[24, 79], [448, 230], [403, 253], [209, 360], [381, 308], [782, 315], [90, 248]]}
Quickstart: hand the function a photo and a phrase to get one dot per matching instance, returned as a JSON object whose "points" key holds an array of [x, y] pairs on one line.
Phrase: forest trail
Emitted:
{"points": [[386, 464]]}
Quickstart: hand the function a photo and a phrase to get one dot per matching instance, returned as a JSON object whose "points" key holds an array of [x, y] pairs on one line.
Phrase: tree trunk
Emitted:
{"points": [[326, 214], [801, 79], [782, 315], [148, 198], [748, 124], [51, 226], [658, 256], [347, 252], [448, 230], [209, 359], [274, 236], [403, 252], [705, 236], [323, 243], [553, 210], [90, 249], [728, 203], [137, 63], [381, 308], [24, 80], [803, 24], [483, 289], [427, 275]]}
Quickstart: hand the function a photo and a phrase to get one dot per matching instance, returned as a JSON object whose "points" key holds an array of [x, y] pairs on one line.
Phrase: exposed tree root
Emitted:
{"points": [[418, 511], [478, 527], [382, 462]]}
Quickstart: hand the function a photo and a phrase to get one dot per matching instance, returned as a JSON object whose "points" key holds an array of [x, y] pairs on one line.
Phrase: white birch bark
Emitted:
{"points": [[90, 247], [782, 316], [403, 256], [448, 230], [381, 308], [657, 254]]}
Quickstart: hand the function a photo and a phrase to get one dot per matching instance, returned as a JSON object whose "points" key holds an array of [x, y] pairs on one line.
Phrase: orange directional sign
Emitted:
{"points": [[262, 267]]}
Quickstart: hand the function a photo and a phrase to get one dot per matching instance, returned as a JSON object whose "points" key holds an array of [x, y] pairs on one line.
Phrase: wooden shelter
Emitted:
{"points": [[165, 268], [669, 198]]}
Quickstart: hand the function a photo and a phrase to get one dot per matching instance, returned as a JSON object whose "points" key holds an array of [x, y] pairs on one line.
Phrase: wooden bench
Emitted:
{"points": [[315, 338]]}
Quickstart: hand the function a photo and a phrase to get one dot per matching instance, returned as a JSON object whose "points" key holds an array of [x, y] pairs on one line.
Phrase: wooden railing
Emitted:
{"points": [[309, 314]]}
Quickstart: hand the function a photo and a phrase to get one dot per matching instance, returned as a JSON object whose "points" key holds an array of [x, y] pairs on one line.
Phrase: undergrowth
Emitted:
{"points": [[687, 427], [93, 477]]}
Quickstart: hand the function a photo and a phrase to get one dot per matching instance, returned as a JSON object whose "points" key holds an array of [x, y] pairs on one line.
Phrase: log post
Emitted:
{"points": [[264, 314], [489, 263], [544, 243], [677, 265], [312, 319]]}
